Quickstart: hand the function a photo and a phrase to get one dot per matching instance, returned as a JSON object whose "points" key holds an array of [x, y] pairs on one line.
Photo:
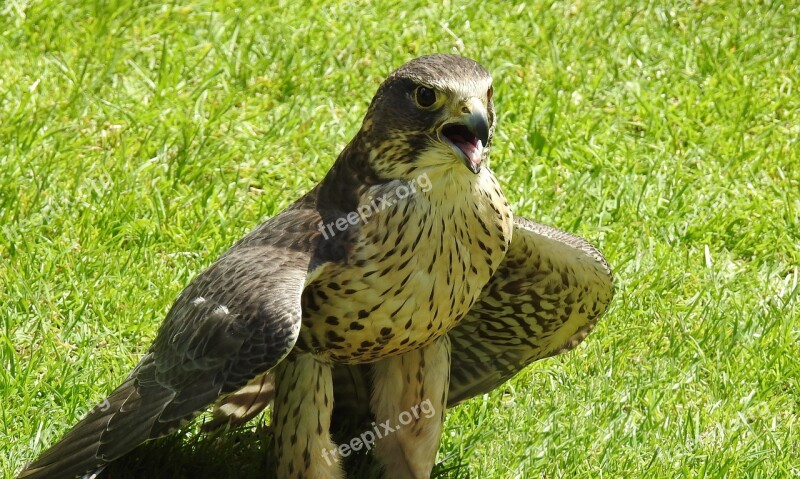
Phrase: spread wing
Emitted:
{"points": [[236, 320], [545, 298]]}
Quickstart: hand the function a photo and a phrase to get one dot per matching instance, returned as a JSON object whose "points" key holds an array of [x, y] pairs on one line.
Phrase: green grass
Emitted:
{"points": [[139, 140]]}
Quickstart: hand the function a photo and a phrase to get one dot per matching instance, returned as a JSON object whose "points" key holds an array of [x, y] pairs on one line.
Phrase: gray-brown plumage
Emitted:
{"points": [[405, 257]]}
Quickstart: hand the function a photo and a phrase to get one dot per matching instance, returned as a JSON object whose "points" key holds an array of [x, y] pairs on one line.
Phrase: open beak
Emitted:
{"points": [[468, 133]]}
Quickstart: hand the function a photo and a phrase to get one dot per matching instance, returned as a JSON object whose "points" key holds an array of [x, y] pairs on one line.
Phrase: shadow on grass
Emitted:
{"points": [[241, 454]]}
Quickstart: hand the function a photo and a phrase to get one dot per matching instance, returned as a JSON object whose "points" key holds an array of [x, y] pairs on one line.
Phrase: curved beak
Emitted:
{"points": [[468, 133]]}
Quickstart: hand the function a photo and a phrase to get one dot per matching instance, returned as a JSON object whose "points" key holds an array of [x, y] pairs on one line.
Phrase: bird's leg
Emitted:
{"points": [[301, 418], [408, 400]]}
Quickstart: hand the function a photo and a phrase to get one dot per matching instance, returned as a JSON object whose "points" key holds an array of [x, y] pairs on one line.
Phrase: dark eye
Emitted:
{"points": [[424, 96], [489, 94]]}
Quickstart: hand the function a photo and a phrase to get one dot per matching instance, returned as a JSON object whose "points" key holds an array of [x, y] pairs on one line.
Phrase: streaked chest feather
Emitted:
{"points": [[419, 262]]}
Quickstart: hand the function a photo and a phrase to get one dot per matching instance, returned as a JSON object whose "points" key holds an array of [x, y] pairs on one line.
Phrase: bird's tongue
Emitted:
{"points": [[472, 149]]}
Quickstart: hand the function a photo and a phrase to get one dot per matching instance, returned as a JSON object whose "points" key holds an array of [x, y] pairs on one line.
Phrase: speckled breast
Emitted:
{"points": [[416, 269]]}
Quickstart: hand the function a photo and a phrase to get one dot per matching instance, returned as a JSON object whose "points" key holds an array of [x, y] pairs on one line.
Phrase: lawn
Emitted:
{"points": [[139, 140]]}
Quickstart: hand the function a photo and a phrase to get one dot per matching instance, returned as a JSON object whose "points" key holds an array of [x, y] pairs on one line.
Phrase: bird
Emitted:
{"points": [[401, 280]]}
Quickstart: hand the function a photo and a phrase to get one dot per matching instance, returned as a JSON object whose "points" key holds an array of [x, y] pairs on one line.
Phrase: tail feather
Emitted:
{"points": [[242, 405]]}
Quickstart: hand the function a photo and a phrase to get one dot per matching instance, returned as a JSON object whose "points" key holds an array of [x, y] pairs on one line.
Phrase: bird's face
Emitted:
{"points": [[433, 112]]}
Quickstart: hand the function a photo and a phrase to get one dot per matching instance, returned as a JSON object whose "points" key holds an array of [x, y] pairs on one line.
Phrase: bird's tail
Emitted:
{"points": [[240, 406]]}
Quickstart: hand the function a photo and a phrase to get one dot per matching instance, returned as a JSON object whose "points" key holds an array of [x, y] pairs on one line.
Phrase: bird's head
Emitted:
{"points": [[433, 112]]}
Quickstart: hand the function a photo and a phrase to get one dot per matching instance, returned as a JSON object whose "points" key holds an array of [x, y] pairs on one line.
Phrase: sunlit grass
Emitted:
{"points": [[139, 140]]}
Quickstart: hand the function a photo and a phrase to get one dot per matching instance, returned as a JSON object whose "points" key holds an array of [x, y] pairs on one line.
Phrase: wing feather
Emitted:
{"points": [[548, 293], [236, 320]]}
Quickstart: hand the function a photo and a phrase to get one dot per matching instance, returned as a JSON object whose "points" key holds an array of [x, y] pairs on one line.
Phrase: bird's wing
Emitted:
{"points": [[237, 319], [545, 298]]}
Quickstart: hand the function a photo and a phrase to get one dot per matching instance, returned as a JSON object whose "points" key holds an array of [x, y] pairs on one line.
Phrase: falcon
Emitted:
{"points": [[402, 279]]}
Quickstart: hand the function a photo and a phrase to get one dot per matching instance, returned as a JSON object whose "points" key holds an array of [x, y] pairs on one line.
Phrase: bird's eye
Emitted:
{"points": [[489, 94], [424, 96]]}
